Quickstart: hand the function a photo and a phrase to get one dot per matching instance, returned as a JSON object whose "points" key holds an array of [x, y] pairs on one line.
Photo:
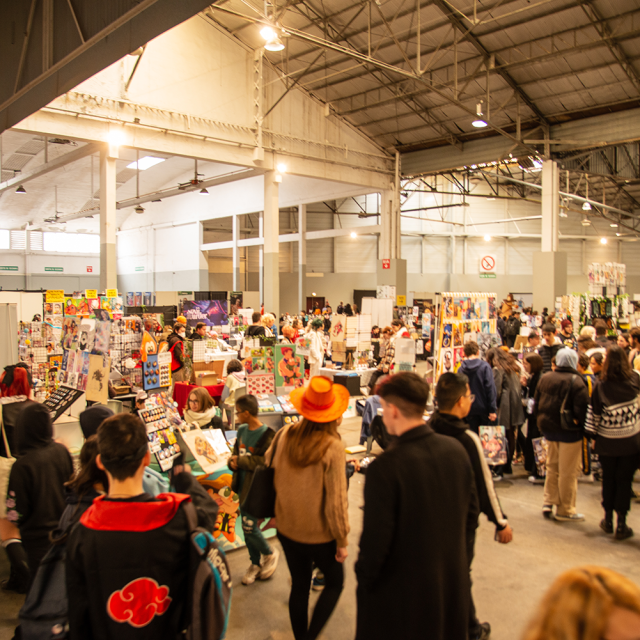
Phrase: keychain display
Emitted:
{"points": [[161, 434]]}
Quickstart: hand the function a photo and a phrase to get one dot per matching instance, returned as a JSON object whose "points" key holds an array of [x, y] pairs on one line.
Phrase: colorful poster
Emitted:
{"points": [[289, 366], [235, 302], [102, 336], [70, 333], [338, 328], [86, 335], [494, 445], [130, 298], [213, 313], [426, 325], [258, 383]]}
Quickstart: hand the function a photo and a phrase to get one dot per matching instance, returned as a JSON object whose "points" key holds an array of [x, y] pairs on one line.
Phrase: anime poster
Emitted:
{"points": [[426, 325], [337, 328], [447, 336], [70, 333], [213, 313], [86, 335], [130, 298], [102, 335], [147, 299], [289, 366], [447, 361], [458, 357], [457, 335], [494, 445], [235, 302], [228, 528]]}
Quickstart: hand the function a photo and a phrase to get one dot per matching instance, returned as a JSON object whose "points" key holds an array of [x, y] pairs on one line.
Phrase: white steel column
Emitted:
{"points": [[108, 274], [235, 221], [261, 256], [302, 255], [271, 244], [550, 205]]}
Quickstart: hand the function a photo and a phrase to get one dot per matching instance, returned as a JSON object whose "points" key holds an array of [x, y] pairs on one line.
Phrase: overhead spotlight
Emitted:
{"points": [[479, 123], [614, 225], [116, 137], [603, 241], [563, 214], [139, 209], [21, 189], [487, 237], [618, 234], [268, 33], [353, 234], [204, 192], [585, 222], [282, 167], [274, 44], [586, 207]]}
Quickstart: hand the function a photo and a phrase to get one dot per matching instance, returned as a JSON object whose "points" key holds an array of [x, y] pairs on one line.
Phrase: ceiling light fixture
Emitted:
{"points": [[116, 137], [204, 192], [479, 123], [21, 189], [145, 163], [281, 167], [487, 237], [353, 234], [614, 225], [274, 44], [268, 33], [586, 207], [603, 241], [139, 209], [585, 222]]}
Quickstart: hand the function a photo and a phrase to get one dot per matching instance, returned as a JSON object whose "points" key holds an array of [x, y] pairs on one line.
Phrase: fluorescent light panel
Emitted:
{"points": [[145, 163]]}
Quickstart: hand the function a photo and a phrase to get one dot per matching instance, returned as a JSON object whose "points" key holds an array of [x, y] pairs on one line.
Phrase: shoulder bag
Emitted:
{"points": [[261, 497], [5, 470], [566, 410]]}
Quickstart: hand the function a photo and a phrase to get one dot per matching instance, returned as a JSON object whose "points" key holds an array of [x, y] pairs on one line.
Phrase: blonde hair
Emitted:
{"points": [[578, 604], [307, 441], [267, 320], [588, 331]]}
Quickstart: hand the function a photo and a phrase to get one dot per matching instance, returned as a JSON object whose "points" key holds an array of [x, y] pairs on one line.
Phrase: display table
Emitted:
{"points": [[224, 356], [182, 390], [365, 374]]}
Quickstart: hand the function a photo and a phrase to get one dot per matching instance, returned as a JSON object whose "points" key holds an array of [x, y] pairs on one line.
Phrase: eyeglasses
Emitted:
{"points": [[193, 401]]}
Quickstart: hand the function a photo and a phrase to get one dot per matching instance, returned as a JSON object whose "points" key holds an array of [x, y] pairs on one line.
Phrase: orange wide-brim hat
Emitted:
{"points": [[321, 400]]}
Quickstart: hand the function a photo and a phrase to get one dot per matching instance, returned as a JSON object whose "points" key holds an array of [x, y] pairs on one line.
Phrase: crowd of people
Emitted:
{"points": [[126, 532]]}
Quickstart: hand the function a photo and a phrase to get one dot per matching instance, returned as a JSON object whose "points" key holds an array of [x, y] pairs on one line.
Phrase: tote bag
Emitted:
{"points": [[5, 470], [261, 497]]}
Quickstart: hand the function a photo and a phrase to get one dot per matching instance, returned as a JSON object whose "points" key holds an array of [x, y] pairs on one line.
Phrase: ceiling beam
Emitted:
{"points": [[52, 165]]}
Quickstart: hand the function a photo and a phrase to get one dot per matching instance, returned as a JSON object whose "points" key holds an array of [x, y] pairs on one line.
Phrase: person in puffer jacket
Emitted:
{"points": [[614, 421], [565, 445]]}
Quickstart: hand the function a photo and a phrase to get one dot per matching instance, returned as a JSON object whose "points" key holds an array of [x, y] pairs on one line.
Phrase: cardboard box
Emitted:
{"points": [[206, 379], [216, 367]]}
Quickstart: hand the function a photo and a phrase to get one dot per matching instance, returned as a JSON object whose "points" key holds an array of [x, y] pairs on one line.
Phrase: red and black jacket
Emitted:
{"points": [[127, 567]]}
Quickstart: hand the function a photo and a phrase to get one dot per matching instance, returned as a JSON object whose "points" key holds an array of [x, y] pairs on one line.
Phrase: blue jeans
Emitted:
{"points": [[255, 541]]}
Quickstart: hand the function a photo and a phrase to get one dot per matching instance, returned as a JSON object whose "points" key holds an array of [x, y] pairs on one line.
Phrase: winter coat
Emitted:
{"points": [[177, 351], [420, 516], [613, 417], [550, 394], [547, 352], [482, 386], [509, 397], [248, 464], [513, 326]]}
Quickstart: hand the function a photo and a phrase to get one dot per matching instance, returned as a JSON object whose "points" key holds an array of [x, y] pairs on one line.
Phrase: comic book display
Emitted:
{"points": [[462, 317], [608, 278]]}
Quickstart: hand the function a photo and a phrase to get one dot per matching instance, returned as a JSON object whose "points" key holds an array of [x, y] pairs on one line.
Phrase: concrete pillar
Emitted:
{"points": [[261, 257], [271, 244], [235, 221], [203, 261], [550, 205], [108, 274], [549, 264], [302, 256]]}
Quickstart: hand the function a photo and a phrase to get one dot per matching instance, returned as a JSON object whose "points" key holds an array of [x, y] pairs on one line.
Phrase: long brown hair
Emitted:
{"points": [[578, 604], [502, 360], [89, 474], [205, 401], [307, 441], [616, 366]]}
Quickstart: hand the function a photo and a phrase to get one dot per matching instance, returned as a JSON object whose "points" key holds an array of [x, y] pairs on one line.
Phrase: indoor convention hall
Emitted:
{"points": [[320, 319]]}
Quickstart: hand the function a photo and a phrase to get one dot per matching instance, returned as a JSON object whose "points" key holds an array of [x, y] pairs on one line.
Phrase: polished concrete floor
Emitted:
{"points": [[509, 580]]}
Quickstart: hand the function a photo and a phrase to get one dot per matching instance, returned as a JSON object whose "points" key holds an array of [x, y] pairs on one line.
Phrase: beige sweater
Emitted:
{"points": [[311, 502]]}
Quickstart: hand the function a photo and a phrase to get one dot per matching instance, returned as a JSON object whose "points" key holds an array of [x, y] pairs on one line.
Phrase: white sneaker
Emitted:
{"points": [[252, 573], [534, 480], [269, 564], [574, 517]]}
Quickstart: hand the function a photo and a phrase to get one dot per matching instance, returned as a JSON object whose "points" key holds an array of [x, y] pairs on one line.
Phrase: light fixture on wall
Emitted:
{"points": [[139, 209], [603, 241], [204, 192], [314, 293], [487, 237], [353, 234], [479, 123], [586, 207], [21, 189]]}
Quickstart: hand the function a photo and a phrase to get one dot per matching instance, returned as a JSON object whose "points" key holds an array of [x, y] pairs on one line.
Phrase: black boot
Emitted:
{"points": [[606, 524], [19, 575], [622, 530]]}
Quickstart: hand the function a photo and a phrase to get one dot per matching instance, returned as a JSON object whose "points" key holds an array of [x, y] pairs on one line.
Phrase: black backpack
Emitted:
{"points": [[380, 433], [210, 579]]}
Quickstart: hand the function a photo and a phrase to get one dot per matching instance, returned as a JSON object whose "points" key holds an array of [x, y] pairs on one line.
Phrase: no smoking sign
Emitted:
{"points": [[487, 264]]}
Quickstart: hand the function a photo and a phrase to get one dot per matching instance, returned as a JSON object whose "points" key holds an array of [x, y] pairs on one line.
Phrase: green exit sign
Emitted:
{"points": [[58, 269], [487, 275], [12, 268], [139, 268]]}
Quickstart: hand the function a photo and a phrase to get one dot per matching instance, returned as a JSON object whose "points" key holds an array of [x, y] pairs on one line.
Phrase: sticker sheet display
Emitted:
{"points": [[60, 400], [161, 434], [260, 383]]}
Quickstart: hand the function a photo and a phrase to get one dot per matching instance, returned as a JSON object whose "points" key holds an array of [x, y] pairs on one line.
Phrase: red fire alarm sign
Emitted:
{"points": [[386, 264], [89, 269]]}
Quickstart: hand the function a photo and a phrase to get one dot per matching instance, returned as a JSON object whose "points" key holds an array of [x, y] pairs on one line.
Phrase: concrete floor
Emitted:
{"points": [[509, 580]]}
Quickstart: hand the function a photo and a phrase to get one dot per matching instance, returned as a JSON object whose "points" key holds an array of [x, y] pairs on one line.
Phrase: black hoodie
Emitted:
{"points": [[36, 496]]}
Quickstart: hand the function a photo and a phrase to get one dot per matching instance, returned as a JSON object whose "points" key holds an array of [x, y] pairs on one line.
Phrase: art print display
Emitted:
{"points": [[86, 335], [494, 445], [427, 319], [259, 383], [235, 302], [77, 307], [203, 449], [337, 332], [212, 313], [289, 366], [102, 334], [113, 306], [70, 333], [303, 345], [98, 379]]}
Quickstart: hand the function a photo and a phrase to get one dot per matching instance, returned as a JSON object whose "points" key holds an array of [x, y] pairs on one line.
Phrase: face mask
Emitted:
{"points": [[182, 334]]}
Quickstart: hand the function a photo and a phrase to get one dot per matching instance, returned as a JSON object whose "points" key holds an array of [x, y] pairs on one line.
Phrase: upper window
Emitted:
{"points": [[71, 242]]}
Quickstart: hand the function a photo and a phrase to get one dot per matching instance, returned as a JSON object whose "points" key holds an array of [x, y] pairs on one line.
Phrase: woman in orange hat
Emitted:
{"points": [[311, 500]]}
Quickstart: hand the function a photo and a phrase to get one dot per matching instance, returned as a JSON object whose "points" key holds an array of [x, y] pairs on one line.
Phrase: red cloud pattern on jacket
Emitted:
{"points": [[139, 602]]}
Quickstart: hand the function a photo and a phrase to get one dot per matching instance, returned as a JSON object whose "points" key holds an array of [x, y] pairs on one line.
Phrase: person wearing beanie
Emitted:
{"points": [[564, 437], [566, 335], [92, 417], [35, 496]]}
